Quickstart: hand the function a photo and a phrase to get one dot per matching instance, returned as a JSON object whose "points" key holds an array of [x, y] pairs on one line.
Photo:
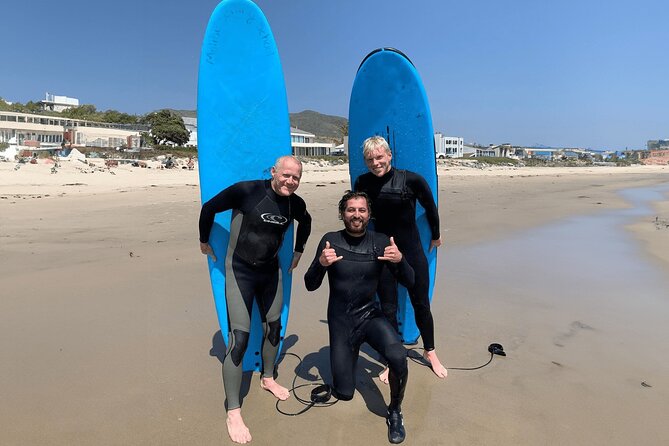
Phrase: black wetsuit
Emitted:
{"points": [[393, 201], [353, 314], [260, 219]]}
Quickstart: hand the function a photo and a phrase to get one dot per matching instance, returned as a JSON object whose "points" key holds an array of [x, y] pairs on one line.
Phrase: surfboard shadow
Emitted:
{"points": [[218, 349]]}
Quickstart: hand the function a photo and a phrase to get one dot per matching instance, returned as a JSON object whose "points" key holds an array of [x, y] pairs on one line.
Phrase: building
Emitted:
{"points": [[53, 131], [304, 144], [658, 144], [496, 151], [538, 153], [448, 146], [191, 126], [58, 103]]}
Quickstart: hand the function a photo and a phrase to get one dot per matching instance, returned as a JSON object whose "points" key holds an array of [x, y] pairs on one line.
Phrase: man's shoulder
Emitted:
{"points": [[411, 175], [298, 200], [249, 184], [365, 177]]}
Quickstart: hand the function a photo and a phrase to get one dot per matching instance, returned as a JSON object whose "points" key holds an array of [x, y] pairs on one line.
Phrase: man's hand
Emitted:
{"points": [[391, 253], [206, 250], [296, 260], [328, 256], [434, 244]]}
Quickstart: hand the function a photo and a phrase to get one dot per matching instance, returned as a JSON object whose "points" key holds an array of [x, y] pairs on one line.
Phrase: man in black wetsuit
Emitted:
{"points": [[393, 193], [262, 212], [353, 259]]}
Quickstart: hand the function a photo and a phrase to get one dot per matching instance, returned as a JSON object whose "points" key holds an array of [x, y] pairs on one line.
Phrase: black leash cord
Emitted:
{"points": [[421, 360], [313, 402]]}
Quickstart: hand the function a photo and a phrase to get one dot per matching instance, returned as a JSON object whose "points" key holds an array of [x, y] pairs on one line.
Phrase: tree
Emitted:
{"points": [[343, 130], [118, 117], [86, 112], [167, 126]]}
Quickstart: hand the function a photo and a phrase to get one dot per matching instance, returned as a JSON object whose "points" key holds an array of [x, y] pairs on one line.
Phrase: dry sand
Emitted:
{"points": [[107, 322]]}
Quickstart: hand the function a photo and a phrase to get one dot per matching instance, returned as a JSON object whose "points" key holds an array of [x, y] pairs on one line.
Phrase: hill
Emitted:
{"points": [[325, 126]]}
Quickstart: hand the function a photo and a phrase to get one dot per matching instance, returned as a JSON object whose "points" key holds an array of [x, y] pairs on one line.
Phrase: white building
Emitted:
{"points": [[304, 144], [191, 126], [58, 103], [448, 146], [52, 131]]}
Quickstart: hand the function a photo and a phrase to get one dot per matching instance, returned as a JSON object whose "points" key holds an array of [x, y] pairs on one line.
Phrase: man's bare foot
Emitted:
{"points": [[237, 430], [277, 390], [435, 364], [383, 376]]}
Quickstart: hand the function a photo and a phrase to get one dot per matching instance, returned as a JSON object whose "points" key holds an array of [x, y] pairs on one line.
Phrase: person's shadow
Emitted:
{"points": [[315, 368]]}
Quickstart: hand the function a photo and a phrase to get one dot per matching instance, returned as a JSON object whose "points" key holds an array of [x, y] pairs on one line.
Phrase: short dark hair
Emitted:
{"points": [[353, 194]]}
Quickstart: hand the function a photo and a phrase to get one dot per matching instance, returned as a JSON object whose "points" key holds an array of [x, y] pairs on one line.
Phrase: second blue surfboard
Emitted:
{"points": [[388, 99]]}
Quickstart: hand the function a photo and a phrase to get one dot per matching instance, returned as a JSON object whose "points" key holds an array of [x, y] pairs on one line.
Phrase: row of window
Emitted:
{"points": [[298, 138], [68, 122], [310, 151]]}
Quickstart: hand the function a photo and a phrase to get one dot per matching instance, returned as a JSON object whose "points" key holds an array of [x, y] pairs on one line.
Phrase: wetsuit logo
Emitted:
{"points": [[274, 219]]}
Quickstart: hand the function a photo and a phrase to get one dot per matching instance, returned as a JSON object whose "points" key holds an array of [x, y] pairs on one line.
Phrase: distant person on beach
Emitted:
{"points": [[262, 211], [393, 193], [353, 259]]}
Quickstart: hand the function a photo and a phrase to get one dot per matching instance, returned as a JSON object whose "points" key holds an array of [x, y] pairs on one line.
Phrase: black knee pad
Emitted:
{"points": [[274, 332], [240, 341], [341, 396]]}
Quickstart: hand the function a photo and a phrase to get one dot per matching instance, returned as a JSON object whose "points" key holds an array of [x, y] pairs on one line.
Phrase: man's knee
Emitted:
{"points": [[396, 355], [274, 332], [342, 396], [239, 340]]}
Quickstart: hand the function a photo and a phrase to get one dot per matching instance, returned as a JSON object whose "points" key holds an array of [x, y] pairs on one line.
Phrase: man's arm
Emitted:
{"points": [[229, 198], [424, 195], [302, 233], [396, 263], [303, 219], [325, 256]]}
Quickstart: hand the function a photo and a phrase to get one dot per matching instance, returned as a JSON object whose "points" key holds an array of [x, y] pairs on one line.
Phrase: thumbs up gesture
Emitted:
{"points": [[391, 252], [328, 255]]}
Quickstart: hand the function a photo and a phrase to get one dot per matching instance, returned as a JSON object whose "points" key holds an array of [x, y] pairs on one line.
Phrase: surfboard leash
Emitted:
{"points": [[493, 349], [320, 395]]}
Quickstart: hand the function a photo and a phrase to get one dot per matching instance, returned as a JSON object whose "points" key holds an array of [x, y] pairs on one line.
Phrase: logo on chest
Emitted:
{"points": [[268, 217]]}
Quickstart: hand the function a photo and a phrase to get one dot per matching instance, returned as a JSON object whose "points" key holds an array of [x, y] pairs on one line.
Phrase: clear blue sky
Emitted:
{"points": [[562, 73]]}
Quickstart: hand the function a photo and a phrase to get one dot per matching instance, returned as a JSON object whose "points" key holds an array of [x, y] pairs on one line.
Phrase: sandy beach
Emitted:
{"points": [[108, 332]]}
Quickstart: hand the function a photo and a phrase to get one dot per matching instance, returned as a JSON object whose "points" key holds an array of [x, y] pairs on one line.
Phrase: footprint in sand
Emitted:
{"points": [[574, 328]]}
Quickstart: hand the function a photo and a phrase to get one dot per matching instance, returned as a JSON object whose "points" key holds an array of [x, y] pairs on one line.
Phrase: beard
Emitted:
{"points": [[356, 226]]}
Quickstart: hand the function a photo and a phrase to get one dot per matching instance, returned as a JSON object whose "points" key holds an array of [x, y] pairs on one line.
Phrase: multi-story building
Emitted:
{"points": [[53, 131], [448, 146], [304, 144], [58, 103]]}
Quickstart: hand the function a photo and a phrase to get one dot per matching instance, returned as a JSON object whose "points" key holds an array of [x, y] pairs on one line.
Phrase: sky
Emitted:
{"points": [[589, 74]]}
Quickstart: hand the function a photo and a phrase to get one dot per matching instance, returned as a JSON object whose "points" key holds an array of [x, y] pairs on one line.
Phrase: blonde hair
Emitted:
{"points": [[374, 143]]}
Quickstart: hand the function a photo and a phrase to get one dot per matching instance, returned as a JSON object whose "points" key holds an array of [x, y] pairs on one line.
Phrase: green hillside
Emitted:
{"points": [[323, 126]]}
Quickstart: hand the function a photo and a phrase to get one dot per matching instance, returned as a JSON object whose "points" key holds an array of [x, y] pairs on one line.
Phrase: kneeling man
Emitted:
{"points": [[354, 258]]}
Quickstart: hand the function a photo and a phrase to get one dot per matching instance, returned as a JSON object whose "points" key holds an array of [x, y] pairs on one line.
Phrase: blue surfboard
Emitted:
{"points": [[388, 99], [243, 127]]}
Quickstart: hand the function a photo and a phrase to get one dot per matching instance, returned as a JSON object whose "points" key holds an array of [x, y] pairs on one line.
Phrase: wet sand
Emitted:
{"points": [[108, 331]]}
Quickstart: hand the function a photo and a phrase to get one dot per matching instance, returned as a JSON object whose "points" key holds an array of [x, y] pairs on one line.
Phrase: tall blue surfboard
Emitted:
{"points": [[388, 99], [243, 127]]}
